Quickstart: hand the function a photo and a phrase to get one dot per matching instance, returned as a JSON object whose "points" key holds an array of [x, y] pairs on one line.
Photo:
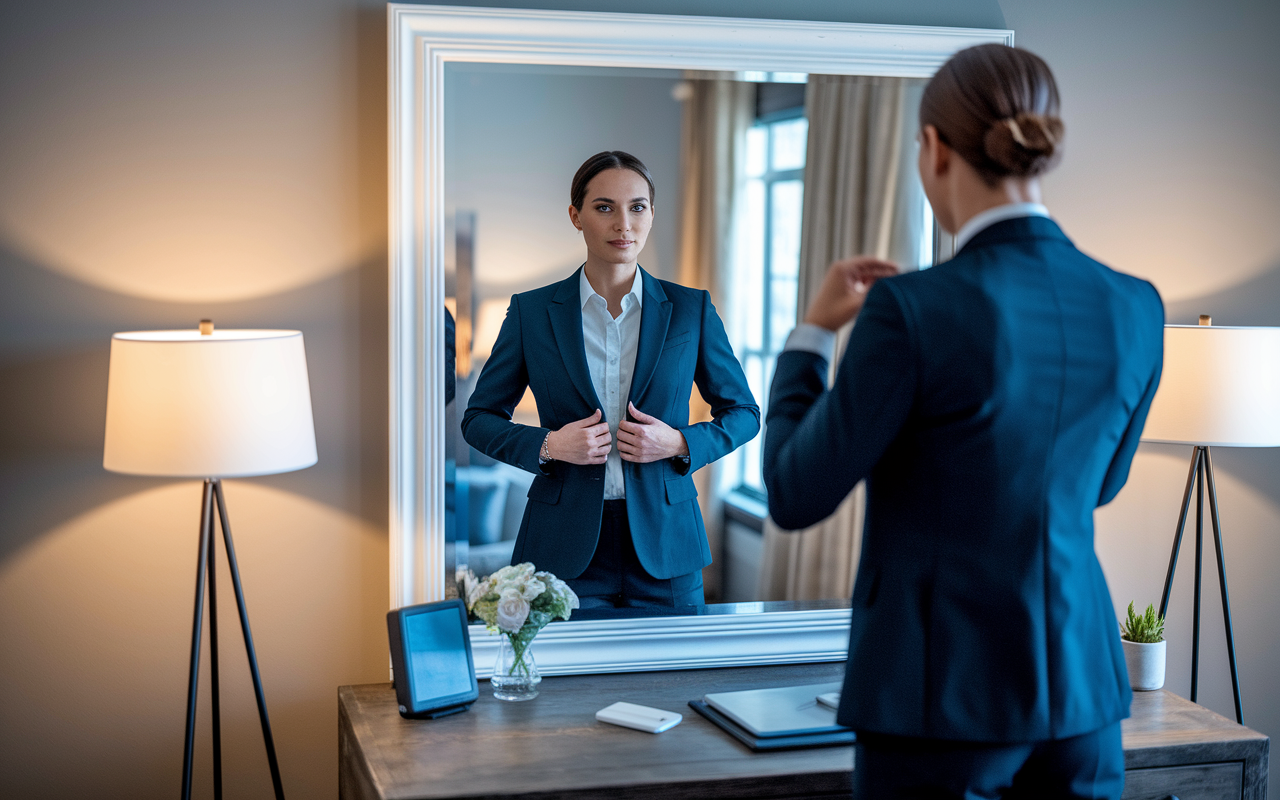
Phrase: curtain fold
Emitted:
{"points": [[717, 113], [861, 197]]}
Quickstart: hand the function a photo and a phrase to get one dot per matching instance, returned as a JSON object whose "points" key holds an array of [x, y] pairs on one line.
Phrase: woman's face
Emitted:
{"points": [[616, 216]]}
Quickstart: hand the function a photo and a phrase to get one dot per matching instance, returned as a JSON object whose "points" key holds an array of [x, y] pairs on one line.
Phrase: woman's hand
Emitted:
{"points": [[586, 441], [649, 439], [844, 290]]}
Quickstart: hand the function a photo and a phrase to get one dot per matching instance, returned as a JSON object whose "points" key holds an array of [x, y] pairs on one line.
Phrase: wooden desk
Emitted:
{"points": [[553, 747]]}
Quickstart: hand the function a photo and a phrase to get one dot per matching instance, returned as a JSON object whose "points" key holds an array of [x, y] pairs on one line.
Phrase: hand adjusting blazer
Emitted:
{"points": [[540, 345], [992, 403]]}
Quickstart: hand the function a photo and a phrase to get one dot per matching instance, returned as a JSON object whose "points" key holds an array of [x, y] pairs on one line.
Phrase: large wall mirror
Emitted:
{"points": [[763, 136]]}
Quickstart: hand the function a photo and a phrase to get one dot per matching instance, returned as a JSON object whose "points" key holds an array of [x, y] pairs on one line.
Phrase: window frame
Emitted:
{"points": [[765, 353]]}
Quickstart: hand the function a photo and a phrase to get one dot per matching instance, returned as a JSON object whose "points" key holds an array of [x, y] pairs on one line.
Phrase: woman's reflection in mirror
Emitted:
{"points": [[611, 354]]}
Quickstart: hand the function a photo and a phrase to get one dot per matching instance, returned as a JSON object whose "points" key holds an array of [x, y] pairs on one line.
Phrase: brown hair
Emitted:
{"points": [[609, 159], [997, 107]]}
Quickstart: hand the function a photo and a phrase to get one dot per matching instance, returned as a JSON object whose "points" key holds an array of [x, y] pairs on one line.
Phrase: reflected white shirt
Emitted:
{"points": [[611, 346], [817, 339]]}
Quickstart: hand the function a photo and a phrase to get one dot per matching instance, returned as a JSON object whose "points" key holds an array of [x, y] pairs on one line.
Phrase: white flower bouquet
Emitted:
{"points": [[518, 602]]}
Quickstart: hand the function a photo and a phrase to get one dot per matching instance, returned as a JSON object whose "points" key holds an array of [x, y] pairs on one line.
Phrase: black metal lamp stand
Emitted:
{"points": [[1201, 472], [205, 567]]}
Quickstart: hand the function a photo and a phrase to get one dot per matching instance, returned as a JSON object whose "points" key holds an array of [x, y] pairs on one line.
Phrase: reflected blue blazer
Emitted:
{"points": [[992, 403], [682, 342]]}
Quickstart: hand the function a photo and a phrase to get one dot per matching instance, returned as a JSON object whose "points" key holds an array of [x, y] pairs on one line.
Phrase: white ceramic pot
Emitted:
{"points": [[1145, 663]]}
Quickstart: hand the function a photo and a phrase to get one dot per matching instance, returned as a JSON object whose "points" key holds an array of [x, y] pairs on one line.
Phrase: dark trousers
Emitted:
{"points": [[616, 579], [1088, 766]]}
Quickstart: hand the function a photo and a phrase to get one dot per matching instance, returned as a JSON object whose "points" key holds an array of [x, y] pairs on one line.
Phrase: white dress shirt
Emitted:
{"points": [[611, 346], [819, 340], [985, 219]]}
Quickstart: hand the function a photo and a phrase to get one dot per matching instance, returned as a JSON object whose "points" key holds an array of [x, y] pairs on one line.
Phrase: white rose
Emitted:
{"points": [[562, 590], [532, 589], [513, 610]]}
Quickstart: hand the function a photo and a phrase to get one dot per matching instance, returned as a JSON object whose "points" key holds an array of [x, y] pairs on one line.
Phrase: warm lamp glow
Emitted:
{"points": [[1220, 387], [233, 403]]}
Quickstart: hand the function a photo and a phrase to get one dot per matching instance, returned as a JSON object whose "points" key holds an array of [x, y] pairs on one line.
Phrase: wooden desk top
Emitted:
{"points": [[553, 745]]}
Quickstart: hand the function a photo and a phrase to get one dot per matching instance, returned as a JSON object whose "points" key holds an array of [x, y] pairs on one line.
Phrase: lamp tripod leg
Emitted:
{"points": [[193, 678], [268, 740], [1195, 609], [214, 689], [1177, 536], [1222, 584]]}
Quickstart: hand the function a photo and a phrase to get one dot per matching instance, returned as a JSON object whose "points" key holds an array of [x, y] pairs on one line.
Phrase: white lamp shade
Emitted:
{"points": [[1220, 387], [231, 404]]}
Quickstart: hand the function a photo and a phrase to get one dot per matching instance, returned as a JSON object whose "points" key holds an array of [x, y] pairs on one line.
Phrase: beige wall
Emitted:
{"points": [[160, 162]]}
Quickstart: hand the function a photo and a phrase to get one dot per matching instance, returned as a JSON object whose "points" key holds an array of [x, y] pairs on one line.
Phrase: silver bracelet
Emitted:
{"points": [[545, 455]]}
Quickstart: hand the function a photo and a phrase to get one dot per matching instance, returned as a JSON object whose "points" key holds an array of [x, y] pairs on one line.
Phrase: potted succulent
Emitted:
{"points": [[1142, 637]]}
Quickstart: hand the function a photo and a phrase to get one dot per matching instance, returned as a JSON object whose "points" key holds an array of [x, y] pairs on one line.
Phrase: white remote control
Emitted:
{"points": [[641, 718]]}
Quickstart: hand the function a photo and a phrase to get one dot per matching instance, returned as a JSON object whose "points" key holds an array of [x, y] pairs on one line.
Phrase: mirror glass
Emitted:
{"points": [[514, 136]]}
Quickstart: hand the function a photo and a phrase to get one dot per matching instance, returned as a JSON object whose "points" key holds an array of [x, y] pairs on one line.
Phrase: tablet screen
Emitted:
{"points": [[437, 655]]}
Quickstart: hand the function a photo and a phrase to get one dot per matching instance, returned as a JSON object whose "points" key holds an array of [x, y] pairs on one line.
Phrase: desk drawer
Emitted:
{"points": [[1223, 781]]}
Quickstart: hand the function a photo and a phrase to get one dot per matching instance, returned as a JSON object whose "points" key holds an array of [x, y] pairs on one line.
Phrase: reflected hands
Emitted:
{"points": [[844, 290], [648, 439], [585, 441]]}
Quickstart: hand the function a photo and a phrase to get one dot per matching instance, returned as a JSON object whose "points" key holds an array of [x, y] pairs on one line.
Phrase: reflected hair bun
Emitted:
{"points": [[1025, 145]]}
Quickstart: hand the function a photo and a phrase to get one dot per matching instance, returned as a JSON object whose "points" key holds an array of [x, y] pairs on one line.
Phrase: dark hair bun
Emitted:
{"points": [[997, 107], [1024, 145]]}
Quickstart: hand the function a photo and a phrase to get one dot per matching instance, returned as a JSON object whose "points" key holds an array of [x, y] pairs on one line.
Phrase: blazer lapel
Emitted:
{"points": [[565, 312], [655, 316]]}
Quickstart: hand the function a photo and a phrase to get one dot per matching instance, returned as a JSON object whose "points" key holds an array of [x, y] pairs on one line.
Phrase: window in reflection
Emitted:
{"points": [[769, 255]]}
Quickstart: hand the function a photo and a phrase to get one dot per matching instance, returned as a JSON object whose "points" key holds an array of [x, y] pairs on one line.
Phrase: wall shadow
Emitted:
{"points": [[55, 335]]}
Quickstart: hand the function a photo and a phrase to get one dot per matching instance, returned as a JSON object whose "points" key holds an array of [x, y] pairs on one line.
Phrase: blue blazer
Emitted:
{"points": [[992, 403], [682, 342]]}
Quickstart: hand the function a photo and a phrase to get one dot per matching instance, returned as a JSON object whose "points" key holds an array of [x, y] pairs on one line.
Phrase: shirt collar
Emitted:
{"points": [[586, 292], [991, 216]]}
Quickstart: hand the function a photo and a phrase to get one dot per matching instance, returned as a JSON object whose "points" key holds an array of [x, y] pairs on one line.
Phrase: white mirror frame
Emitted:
{"points": [[422, 39]]}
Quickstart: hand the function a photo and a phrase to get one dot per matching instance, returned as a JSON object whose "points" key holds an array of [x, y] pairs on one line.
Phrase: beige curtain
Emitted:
{"points": [[717, 113], [861, 196]]}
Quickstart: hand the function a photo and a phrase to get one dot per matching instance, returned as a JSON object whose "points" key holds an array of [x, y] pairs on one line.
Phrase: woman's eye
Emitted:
{"points": [[638, 208], [604, 209]]}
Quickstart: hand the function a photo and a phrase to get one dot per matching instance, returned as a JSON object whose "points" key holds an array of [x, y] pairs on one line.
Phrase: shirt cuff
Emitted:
{"points": [[812, 339]]}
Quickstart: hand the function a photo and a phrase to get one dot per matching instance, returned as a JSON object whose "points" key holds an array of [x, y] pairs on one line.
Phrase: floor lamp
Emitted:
{"points": [[211, 404], [1220, 388]]}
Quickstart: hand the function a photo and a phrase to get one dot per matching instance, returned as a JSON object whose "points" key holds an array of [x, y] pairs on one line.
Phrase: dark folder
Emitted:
{"points": [[762, 743]]}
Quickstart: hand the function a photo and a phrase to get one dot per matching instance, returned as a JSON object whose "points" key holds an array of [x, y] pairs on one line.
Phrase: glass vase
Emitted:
{"points": [[515, 675]]}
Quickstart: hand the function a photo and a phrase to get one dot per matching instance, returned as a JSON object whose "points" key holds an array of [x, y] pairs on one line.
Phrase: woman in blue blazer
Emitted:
{"points": [[991, 403], [611, 354]]}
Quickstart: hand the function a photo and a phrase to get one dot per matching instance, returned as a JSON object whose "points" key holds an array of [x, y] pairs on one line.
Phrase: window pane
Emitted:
{"points": [[789, 141], [754, 365], [788, 198], [755, 156], [782, 311], [751, 450], [751, 266], [926, 234]]}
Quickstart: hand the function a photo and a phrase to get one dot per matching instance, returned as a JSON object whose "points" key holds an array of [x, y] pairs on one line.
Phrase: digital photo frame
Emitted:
{"points": [[431, 659]]}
